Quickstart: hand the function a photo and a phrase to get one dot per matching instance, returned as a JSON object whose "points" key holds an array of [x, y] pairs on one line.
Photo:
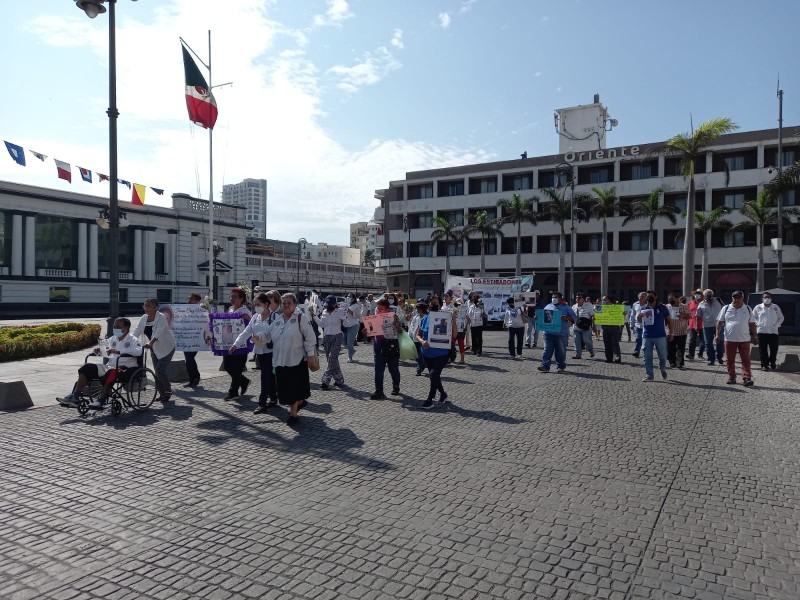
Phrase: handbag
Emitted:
{"points": [[312, 362], [584, 323], [408, 351]]}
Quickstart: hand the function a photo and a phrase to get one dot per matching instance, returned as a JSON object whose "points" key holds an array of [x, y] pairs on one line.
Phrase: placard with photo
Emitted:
{"points": [[440, 329]]}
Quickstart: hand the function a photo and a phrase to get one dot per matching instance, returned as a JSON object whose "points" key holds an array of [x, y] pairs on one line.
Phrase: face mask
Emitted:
{"points": [[391, 301], [673, 301], [259, 309], [651, 299], [767, 301], [117, 332], [554, 299], [697, 296], [434, 307]]}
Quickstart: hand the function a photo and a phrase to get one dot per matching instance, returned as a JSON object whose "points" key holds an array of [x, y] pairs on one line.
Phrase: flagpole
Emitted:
{"points": [[212, 259]]}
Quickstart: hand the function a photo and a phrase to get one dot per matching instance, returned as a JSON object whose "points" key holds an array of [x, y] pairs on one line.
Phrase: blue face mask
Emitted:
{"points": [[117, 332]]}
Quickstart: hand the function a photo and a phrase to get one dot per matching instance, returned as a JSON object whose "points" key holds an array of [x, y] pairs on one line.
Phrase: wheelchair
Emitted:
{"points": [[134, 388]]}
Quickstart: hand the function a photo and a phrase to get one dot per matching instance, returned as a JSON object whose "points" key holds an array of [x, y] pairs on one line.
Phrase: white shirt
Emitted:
{"points": [[736, 322], [331, 322], [585, 310], [127, 345], [256, 328], [636, 309], [768, 318], [513, 317], [475, 316], [353, 314], [161, 332], [292, 340]]}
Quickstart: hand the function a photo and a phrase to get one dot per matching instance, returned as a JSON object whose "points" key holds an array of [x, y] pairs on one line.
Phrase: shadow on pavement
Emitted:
{"points": [[133, 418], [479, 367], [597, 376]]}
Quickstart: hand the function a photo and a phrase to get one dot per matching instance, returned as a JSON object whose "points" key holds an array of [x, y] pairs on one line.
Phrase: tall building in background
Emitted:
{"points": [[252, 194]]}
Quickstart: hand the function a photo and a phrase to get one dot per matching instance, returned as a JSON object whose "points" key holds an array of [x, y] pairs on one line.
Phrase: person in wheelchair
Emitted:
{"points": [[124, 352]]}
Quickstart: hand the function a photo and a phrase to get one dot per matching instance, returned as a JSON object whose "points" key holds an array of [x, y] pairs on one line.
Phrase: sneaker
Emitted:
{"points": [[527, 345], [419, 372], [427, 404], [673, 366], [721, 362], [591, 354], [635, 355], [647, 379], [543, 369], [230, 396], [560, 370], [395, 391], [618, 359], [577, 356], [260, 410], [731, 382], [444, 400], [747, 382], [97, 404], [245, 385], [272, 403], [378, 396], [70, 401], [663, 374], [324, 386]]}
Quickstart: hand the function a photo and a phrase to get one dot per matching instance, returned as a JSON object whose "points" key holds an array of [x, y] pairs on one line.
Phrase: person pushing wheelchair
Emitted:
{"points": [[124, 352]]}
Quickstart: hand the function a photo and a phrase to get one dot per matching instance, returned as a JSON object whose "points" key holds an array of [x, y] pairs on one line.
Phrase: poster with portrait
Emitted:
{"points": [[189, 324], [381, 324], [548, 319], [610, 314], [225, 328], [647, 316], [440, 329]]}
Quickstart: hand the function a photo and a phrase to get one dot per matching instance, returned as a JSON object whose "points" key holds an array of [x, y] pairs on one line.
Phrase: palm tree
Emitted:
{"points": [[761, 213], [369, 258], [480, 223], [688, 147], [516, 211], [650, 208], [705, 224], [786, 180], [559, 208], [445, 232], [602, 206]]}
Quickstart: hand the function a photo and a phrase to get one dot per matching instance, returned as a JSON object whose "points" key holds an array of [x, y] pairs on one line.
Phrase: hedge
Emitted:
{"points": [[32, 341]]}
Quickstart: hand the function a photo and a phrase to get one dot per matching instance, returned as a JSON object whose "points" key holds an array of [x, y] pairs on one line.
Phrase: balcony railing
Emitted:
{"points": [[62, 273], [122, 275], [3, 270], [162, 277]]}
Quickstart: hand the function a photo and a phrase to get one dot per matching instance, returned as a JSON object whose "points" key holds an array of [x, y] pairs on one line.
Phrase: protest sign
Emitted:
{"points": [[609, 314], [225, 328], [440, 329], [548, 320], [189, 324], [382, 324]]}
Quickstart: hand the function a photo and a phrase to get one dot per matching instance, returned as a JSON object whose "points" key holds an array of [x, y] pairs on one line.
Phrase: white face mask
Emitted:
{"points": [[554, 299], [259, 309], [767, 301]]}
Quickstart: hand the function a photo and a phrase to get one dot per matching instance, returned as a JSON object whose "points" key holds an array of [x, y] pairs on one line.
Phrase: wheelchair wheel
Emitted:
{"points": [[141, 388], [93, 389], [116, 407], [83, 406]]}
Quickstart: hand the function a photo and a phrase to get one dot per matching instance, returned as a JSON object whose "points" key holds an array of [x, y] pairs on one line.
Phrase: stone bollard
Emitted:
{"points": [[176, 372], [791, 363], [14, 396]]}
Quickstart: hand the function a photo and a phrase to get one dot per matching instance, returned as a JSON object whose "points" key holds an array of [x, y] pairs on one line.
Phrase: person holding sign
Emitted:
{"points": [[655, 320], [582, 330], [555, 342], [679, 326], [386, 350], [435, 356], [235, 363], [612, 332]]}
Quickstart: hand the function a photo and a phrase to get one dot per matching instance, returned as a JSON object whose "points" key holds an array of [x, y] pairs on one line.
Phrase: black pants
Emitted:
{"points": [[435, 366], [611, 337], [477, 340], [768, 341], [269, 390], [676, 348], [191, 366], [696, 341], [518, 333], [234, 366]]}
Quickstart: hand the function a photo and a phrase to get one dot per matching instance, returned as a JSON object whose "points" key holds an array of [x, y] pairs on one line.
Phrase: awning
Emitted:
{"points": [[593, 279], [733, 278], [635, 279]]}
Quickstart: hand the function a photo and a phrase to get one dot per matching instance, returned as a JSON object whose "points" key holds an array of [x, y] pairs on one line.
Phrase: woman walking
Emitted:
{"points": [[477, 317], [293, 342], [161, 343], [235, 363], [331, 321], [435, 360], [413, 327], [352, 323]]}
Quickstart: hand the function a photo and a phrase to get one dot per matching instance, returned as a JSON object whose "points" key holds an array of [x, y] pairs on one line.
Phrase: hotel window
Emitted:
{"points": [[483, 185], [547, 179], [734, 200], [734, 163], [508, 245], [679, 200], [548, 244], [517, 182], [592, 242], [672, 166], [491, 212], [421, 249], [451, 188], [734, 239], [453, 216], [474, 247], [642, 171], [452, 249], [789, 157], [594, 175], [631, 170], [5, 239], [56, 243], [418, 192], [636, 240]]}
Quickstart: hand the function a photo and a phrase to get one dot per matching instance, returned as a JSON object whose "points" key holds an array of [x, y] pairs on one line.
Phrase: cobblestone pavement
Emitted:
{"points": [[589, 484]]}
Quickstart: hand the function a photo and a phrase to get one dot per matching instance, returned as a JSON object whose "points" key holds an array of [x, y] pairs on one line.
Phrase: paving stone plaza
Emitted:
{"points": [[588, 484]]}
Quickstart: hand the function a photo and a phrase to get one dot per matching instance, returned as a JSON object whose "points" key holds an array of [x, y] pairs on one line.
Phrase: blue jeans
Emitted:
{"points": [[637, 348], [530, 334], [714, 352], [420, 358], [515, 335], [660, 344], [583, 337], [380, 366], [696, 340], [350, 338], [554, 343]]}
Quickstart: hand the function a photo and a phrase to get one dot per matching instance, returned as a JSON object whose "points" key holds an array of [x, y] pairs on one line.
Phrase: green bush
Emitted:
{"points": [[32, 341]]}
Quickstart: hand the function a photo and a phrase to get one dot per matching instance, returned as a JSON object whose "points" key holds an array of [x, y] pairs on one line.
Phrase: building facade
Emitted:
{"points": [[54, 252], [734, 169], [252, 195]]}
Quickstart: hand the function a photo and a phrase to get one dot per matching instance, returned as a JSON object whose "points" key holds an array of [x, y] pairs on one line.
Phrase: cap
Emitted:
{"points": [[737, 294], [330, 300], [698, 291]]}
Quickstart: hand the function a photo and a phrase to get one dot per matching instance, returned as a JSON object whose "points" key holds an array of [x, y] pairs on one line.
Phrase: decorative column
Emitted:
{"points": [[83, 250], [172, 255], [30, 246], [231, 250], [93, 270], [16, 245], [137, 255], [149, 255], [193, 257]]}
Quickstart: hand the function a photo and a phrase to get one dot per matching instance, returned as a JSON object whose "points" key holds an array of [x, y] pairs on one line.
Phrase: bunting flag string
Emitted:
{"points": [[64, 171]]}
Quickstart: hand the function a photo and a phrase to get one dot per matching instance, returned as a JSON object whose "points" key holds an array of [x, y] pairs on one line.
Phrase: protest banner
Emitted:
{"points": [[548, 320], [189, 324], [609, 314]]}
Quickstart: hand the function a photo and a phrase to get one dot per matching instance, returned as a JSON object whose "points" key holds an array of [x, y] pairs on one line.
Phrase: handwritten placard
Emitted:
{"points": [[189, 326], [609, 314]]}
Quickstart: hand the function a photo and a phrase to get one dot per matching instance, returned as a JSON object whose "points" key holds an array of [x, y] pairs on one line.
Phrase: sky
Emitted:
{"points": [[333, 99]]}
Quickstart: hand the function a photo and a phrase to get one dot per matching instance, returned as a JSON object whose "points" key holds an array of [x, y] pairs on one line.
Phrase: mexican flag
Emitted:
{"points": [[199, 99]]}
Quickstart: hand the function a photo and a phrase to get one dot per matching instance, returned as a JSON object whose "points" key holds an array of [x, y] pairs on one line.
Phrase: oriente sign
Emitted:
{"points": [[599, 154]]}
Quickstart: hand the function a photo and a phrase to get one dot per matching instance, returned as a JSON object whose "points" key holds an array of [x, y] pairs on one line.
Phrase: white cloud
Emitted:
{"points": [[444, 20], [373, 67], [397, 39], [466, 6], [537, 74], [338, 11]]}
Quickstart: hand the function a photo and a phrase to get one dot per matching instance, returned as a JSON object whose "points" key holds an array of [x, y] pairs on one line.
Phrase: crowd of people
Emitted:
{"points": [[285, 334]]}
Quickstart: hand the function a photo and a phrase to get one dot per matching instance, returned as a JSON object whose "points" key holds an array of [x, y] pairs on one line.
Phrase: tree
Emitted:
{"points": [[761, 213], [447, 233], [602, 206], [560, 209], [481, 224], [650, 208], [688, 147], [705, 224], [369, 258], [516, 211]]}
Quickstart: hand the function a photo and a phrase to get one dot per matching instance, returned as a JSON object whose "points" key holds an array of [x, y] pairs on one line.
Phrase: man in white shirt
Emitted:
{"points": [[768, 318], [739, 326], [635, 310]]}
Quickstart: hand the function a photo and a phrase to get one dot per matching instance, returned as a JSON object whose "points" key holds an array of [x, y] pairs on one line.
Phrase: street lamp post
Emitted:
{"points": [[779, 277], [301, 245], [92, 8], [566, 170], [407, 229], [216, 250]]}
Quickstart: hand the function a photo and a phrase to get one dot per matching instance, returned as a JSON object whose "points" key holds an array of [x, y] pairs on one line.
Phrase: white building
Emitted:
{"points": [[252, 195], [733, 170], [54, 253], [322, 252], [359, 236]]}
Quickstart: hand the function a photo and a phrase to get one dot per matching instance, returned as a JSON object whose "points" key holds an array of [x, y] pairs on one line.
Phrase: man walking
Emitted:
{"points": [[556, 341], [637, 324], [655, 320], [768, 318], [739, 325], [582, 330], [696, 341], [679, 321], [707, 312]]}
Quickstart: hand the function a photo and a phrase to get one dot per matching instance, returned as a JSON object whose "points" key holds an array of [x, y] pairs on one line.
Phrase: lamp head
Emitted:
{"points": [[92, 8]]}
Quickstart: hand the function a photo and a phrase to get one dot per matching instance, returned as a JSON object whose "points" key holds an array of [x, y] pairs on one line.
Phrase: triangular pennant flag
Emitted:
{"points": [[17, 153], [86, 174], [158, 191], [101, 177], [199, 99], [138, 194], [123, 182], [38, 155], [64, 170]]}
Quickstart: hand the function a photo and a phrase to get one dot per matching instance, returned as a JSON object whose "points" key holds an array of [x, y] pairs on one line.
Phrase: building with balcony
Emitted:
{"points": [[734, 169], [252, 195]]}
